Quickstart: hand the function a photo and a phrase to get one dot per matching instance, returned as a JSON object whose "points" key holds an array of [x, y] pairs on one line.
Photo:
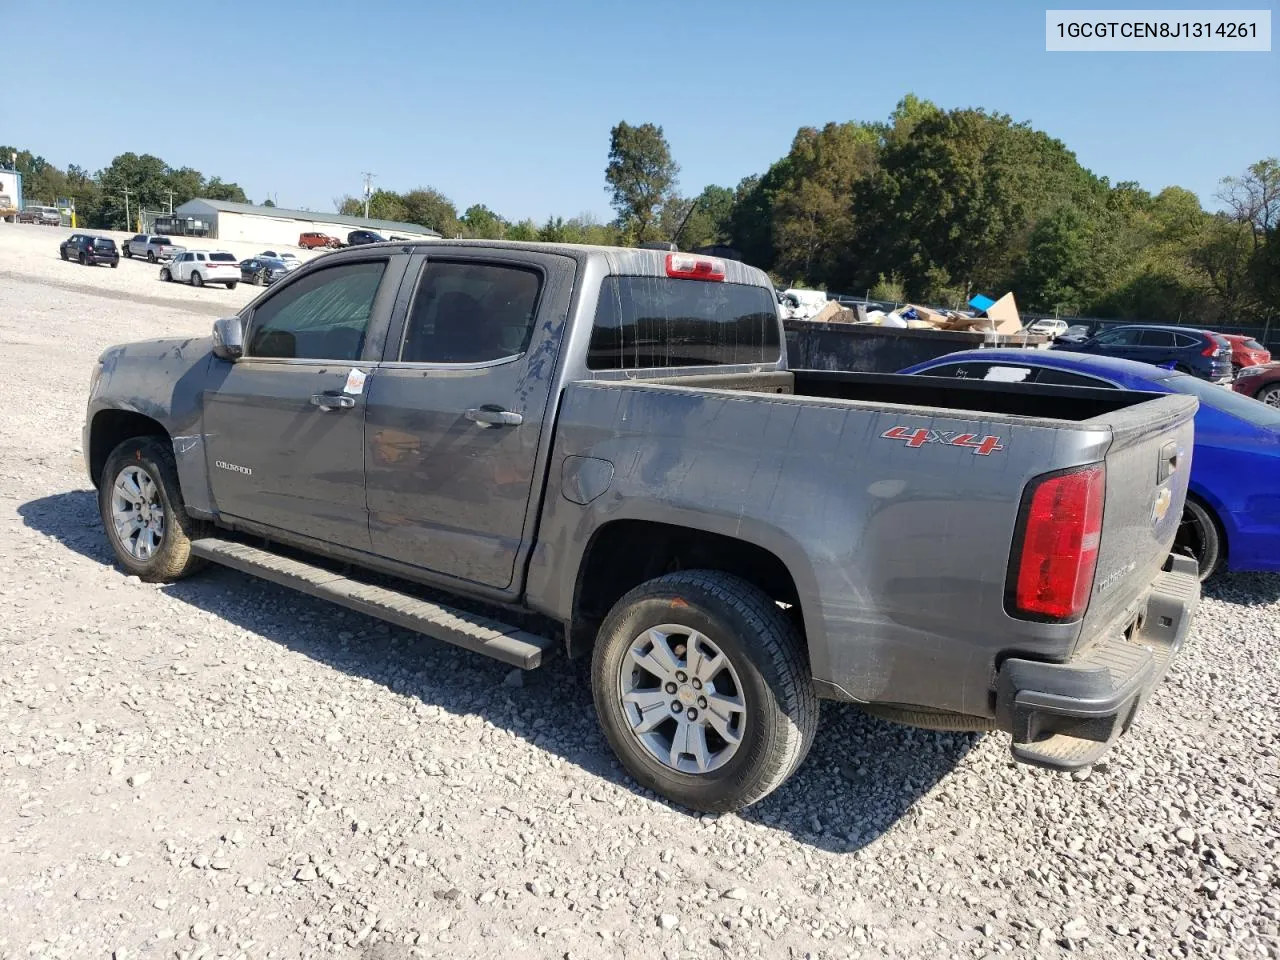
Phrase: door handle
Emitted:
{"points": [[491, 415], [332, 401]]}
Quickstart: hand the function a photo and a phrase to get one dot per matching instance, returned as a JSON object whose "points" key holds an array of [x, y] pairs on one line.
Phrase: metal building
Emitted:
{"points": [[275, 226]]}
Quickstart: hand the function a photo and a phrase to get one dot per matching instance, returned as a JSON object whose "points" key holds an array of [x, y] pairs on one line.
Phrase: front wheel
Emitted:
{"points": [[165, 275], [1198, 537], [63, 253], [196, 279], [142, 510], [702, 686], [127, 252]]}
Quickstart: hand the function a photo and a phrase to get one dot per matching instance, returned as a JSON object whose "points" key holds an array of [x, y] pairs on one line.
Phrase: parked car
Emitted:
{"points": [[1232, 516], [262, 271], [357, 237], [290, 260], [728, 539], [154, 248], [1075, 333], [199, 267], [1262, 382], [1245, 352], [1048, 327], [44, 216], [88, 250], [310, 241], [1201, 353]]}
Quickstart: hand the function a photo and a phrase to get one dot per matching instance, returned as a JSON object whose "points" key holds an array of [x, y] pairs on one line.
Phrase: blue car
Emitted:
{"points": [[1232, 517]]}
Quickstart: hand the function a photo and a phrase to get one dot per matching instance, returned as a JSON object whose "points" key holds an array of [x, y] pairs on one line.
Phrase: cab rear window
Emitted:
{"points": [[644, 322]]}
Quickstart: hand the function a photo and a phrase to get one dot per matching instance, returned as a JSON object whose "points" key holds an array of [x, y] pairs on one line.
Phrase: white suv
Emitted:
{"points": [[197, 268]]}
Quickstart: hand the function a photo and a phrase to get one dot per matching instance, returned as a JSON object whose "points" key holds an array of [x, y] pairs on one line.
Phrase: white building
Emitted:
{"points": [[275, 226]]}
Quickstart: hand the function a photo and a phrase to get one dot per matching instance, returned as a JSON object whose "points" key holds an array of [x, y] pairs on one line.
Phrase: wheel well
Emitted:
{"points": [[626, 553], [111, 428]]}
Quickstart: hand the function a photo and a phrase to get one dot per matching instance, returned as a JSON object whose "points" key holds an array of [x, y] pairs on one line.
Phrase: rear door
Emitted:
{"points": [[284, 425], [456, 411], [1157, 347]]}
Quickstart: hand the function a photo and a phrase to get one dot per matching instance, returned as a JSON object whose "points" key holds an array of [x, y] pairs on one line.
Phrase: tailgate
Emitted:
{"points": [[1148, 465]]}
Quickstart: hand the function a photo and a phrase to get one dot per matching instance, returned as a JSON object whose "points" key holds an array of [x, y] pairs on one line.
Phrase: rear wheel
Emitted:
{"points": [[151, 256], [84, 260], [1199, 537], [141, 506], [1270, 395], [114, 264], [703, 689], [231, 284], [196, 279]]}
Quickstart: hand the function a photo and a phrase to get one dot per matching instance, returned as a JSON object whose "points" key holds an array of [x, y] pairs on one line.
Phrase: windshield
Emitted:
{"points": [[1228, 401]]}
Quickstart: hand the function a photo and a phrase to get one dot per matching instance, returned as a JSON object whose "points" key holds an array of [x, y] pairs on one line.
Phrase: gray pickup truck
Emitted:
{"points": [[519, 448]]}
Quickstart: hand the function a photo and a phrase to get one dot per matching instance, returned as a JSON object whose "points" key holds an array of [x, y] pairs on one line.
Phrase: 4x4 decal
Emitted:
{"points": [[982, 447]]}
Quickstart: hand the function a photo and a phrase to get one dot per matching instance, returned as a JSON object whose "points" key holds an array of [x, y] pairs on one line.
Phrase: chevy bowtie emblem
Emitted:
{"points": [[1161, 506]]}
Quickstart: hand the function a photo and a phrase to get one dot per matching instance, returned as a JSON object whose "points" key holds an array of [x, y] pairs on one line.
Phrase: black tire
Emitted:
{"points": [[260, 278], [196, 279], [1270, 395], [172, 560], [62, 253], [151, 256], [765, 650], [127, 252], [83, 260], [165, 275], [231, 284], [114, 264], [1200, 536]]}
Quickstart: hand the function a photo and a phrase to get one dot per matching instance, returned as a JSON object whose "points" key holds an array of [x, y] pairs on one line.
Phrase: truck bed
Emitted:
{"points": [[893, 500]]}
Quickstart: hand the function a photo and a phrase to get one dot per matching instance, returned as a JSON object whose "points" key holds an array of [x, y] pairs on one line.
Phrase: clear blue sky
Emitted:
{"points": [[510, 103]]}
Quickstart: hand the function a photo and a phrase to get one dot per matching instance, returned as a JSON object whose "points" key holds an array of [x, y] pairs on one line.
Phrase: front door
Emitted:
{"points": [[284, 425], [455, 414]]}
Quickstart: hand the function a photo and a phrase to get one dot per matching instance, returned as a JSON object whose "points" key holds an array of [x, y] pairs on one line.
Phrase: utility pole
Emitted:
{"points": [[368, 191], [127, 225], [170, 192]]}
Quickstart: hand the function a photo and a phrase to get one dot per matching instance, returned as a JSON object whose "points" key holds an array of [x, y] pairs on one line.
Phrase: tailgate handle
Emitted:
{"points": [[1170, 457]]}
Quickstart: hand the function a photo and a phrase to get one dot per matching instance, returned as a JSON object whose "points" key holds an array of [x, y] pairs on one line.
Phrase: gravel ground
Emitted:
{"points": [[222, 768]]}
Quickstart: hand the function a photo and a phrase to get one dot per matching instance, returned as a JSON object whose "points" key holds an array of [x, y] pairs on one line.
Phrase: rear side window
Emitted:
{"points": [[1186, 340], [1253, 345], [1157, 338], [659, 322], [471, 313]]}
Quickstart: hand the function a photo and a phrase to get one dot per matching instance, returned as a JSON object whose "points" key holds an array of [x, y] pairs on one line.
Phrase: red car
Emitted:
{"points": [[1245, 351], [1260, 381], [309, 241]]}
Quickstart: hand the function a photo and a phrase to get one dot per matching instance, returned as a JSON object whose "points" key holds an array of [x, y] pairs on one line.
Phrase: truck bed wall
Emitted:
{"points": [[899, 554]]}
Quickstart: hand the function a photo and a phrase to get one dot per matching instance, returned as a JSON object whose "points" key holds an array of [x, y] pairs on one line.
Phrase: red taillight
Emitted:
{"points": [[1061, 526], [687, 266]]}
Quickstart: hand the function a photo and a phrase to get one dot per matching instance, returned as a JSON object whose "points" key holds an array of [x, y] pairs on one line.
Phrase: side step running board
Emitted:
{"points": [[480, 634]]}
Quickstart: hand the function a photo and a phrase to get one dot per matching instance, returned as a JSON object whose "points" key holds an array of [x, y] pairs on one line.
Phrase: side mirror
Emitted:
{"points": [[228, 338]]}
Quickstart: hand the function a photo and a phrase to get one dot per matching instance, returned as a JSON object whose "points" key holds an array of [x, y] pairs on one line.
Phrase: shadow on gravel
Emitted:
{"points": [[861, 777], [1249, 589]]}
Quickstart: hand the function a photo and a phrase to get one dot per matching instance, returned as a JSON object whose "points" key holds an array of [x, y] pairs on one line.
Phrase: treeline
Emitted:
{"points": [[100, 197], [929, 205]]}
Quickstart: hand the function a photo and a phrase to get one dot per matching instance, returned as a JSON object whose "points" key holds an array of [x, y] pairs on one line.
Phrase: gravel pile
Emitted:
{"points": [[222, 768]]}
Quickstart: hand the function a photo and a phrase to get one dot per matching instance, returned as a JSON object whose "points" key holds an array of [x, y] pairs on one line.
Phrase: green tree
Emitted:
{"points": [[215, 189], [708, 220], [428, 207], [641, 176], [524, 230], [268, 202], [479, 222]]}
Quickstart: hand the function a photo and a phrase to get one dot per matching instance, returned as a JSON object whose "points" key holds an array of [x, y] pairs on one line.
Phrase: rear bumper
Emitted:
{"points": [[1066, 715]]}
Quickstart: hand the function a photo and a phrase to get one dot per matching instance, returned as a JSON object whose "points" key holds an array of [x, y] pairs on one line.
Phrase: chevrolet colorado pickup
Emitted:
{"points": [[522, 447]]}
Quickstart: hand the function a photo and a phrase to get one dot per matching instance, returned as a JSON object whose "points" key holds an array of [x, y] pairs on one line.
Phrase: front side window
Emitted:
{"points": [[471, 313], [322, 316], [644, 322]]}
